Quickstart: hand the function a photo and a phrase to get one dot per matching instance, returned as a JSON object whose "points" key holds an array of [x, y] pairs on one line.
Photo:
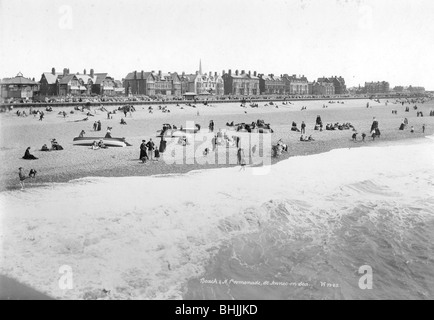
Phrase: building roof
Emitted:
{"points": [[18, 80], [130, 76], [51, 78], [85, 78], [100, 77], [67, 78], [243, 76]]}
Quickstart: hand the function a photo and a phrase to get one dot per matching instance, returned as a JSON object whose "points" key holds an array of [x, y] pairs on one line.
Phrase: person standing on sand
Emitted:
{"points": [[151, 147], [374, 125], [22, 177], [99, 125], [423, 128], [303, 127], [95, 126], [240, 159], [143, 153]]}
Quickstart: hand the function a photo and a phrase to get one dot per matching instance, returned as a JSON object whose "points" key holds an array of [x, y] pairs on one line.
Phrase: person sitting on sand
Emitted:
{"points": [[101, 144], [123, 121], [412, 129], [29, 156], [310, 138], [301, 138], [363, 136], [354, 136], [45, 148], [95, 146], [55, 145], [82, 133]]}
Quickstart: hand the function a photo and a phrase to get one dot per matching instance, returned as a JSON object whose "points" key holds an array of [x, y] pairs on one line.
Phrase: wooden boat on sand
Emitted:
{"points": [[109, 142]]}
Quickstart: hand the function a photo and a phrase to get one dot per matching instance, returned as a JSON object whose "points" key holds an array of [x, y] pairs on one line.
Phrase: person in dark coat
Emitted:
{"points": [[99, 125], [151, 147], [374, 124], [29, 156], [143, 151]]}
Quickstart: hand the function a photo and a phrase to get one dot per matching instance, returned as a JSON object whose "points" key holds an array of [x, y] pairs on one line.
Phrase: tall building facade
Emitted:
{"points": [[377, 87], [296, 85], [271, 84], [241, 83]]}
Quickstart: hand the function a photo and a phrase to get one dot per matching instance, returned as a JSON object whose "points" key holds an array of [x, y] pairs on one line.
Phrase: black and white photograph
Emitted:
{"points": [[226, 150]]}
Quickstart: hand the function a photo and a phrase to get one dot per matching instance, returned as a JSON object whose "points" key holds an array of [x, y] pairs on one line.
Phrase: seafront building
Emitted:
{"points": [[202, 83], [64, 83], [241, 83], [323, 87], [271, 84], [376, 87], [296, 85], [18, 87], [153, 84]]}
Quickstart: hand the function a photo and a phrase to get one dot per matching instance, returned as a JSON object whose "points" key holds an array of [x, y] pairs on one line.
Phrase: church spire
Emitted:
{"points": [[200, 66]]}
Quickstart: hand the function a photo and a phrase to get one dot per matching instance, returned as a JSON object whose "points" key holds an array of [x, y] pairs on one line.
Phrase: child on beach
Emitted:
{"points": [[22, 177], [423, 128]]}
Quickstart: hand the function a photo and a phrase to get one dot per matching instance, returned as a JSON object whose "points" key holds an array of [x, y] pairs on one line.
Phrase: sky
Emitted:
{"points": [[361, 40]]}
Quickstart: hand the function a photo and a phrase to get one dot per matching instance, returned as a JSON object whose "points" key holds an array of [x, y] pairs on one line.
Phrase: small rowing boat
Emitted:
{"points": [[109, 142]]}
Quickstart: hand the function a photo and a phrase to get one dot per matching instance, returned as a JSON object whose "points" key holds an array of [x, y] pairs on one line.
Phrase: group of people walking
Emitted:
{"points": [[148, 151]]}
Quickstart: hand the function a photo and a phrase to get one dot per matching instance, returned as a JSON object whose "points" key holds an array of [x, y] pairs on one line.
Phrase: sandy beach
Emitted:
{"points": [[18, 133]]}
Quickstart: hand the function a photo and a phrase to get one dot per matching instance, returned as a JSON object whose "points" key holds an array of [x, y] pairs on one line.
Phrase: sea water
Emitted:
{"points": [[313, 227]]}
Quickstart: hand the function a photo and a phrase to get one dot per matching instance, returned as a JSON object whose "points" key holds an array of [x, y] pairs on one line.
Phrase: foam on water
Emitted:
{"points": [[145, 237]]}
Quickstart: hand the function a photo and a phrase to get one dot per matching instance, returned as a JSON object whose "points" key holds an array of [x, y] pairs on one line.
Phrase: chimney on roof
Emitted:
{"points": [[236, 72], [230, 71], [243, 72], [183, 73], [142, 75], [294, 75], [65, 71], [84, 71], [249, 73], [215, 74], [135, 74], [197, 72], [53, 71], [254, 73], [223, 72], [159, 73], [210, 73], [91, 73]]}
